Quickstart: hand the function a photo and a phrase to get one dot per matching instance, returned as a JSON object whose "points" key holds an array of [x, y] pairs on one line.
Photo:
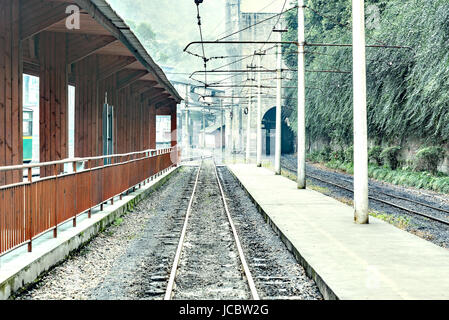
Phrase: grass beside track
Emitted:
{"points": [[401, 177]]}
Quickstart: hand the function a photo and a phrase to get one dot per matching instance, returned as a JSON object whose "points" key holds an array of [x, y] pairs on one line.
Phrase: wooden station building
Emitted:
{"points": [[102, 59]]}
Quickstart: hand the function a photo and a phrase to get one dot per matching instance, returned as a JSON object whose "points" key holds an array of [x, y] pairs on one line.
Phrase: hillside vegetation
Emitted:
{"points": [[408, 89]]}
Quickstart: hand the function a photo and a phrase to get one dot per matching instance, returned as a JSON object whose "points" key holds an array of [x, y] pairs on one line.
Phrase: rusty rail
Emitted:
{"points": [[32, 208]]}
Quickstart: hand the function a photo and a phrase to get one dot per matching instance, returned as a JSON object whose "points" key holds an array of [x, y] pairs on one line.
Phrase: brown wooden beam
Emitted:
{"points": [[38, 15], [159, 98], [166, 103], [151, 94], [113, 64], [142, 86], [126, 78], [81, 46]]}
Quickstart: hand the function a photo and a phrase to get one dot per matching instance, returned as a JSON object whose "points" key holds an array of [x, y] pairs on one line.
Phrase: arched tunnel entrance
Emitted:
{"points": [[269, 132]]}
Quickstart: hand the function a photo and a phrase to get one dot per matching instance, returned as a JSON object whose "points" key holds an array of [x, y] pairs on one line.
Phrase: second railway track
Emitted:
{"points": [[386, 202]]}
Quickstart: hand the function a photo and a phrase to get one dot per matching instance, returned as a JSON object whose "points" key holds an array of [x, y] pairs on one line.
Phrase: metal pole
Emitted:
{"points": [[186, 134], [241, 146], [278, 137], [204, 131], [259, 114], [360, 118], [221, 130], [301, 150], [232, 126], [248, 129]]}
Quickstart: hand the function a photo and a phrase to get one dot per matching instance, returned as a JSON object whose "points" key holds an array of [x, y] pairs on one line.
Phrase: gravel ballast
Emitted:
{"points": [[276, 272], [111, 266], [133, 258]]}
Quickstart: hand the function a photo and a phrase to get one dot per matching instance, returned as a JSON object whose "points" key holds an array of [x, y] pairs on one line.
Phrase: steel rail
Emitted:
{"points": [[387, 202], [249, 277], [174, 270], [406, 199]]}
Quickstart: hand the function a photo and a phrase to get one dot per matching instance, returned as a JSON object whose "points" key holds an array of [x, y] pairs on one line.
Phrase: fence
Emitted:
{"points": [[32, 208]]}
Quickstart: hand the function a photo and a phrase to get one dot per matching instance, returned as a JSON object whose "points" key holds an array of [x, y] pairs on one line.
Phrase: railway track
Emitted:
{"points": [[199, 268], [386, 202]]}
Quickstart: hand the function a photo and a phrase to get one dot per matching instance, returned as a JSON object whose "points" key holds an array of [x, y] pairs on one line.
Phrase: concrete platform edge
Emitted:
{"points": [[324, 288], [45, 261]]}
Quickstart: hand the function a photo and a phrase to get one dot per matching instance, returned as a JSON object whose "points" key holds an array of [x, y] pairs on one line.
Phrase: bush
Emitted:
{"points": [[374, 155], [338, 155], [428, 159], [320, 156], [349, 154], [325, 154], [390, 157]]}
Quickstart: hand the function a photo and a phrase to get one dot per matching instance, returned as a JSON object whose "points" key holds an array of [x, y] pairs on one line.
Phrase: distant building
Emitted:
{"points": [[240, 15]]}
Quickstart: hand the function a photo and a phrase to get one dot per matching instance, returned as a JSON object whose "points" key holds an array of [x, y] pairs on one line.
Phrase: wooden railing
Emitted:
{"points": [[34, 207]]}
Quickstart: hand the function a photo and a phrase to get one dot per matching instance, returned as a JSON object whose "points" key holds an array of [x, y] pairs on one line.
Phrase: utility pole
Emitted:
{"points": [[259, 112], [301, 151], [221, 130], [204, 130], [233, 125], [278, 137], [248, 128], [186, 129], [360, 118]]}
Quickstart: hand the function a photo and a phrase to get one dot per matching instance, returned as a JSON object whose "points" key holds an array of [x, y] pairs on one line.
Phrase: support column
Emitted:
{"points": [[87, 108], [174, 126], [11, 111], [221, 129], [53, 103], [186, 132], [301, 152], [248, 129], [204, 130], [240, 111], [186, 128], [278, 138], [152, 126], [259, 113], [174, 135], [360, 118]]}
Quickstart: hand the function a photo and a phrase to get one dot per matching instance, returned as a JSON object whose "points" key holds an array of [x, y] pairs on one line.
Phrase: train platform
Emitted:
{"points": [[347, 261]]}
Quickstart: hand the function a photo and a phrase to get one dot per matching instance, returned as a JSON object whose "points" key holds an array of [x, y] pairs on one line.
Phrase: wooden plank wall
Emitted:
{"points": [[174, 125], [11, 117], [152, 126], [53, 103], [134, 124], [87, 108]]}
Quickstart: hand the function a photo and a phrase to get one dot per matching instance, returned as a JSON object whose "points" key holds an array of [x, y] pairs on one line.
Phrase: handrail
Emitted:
{"points": [[31, 208], [71, 160]]}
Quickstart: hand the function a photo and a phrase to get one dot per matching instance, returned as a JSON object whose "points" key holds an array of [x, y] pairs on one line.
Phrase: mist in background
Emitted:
{"points": [[165, 27]]}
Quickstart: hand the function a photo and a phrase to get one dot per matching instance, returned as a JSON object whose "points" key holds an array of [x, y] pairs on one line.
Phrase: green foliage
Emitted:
{"points": [[338, 155], [118, 221], [374, 155], [428, 159], [407, 89], [323, 155], [390, 156], [341, 165], [400, 222], [349, 154], [410, 178]]}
